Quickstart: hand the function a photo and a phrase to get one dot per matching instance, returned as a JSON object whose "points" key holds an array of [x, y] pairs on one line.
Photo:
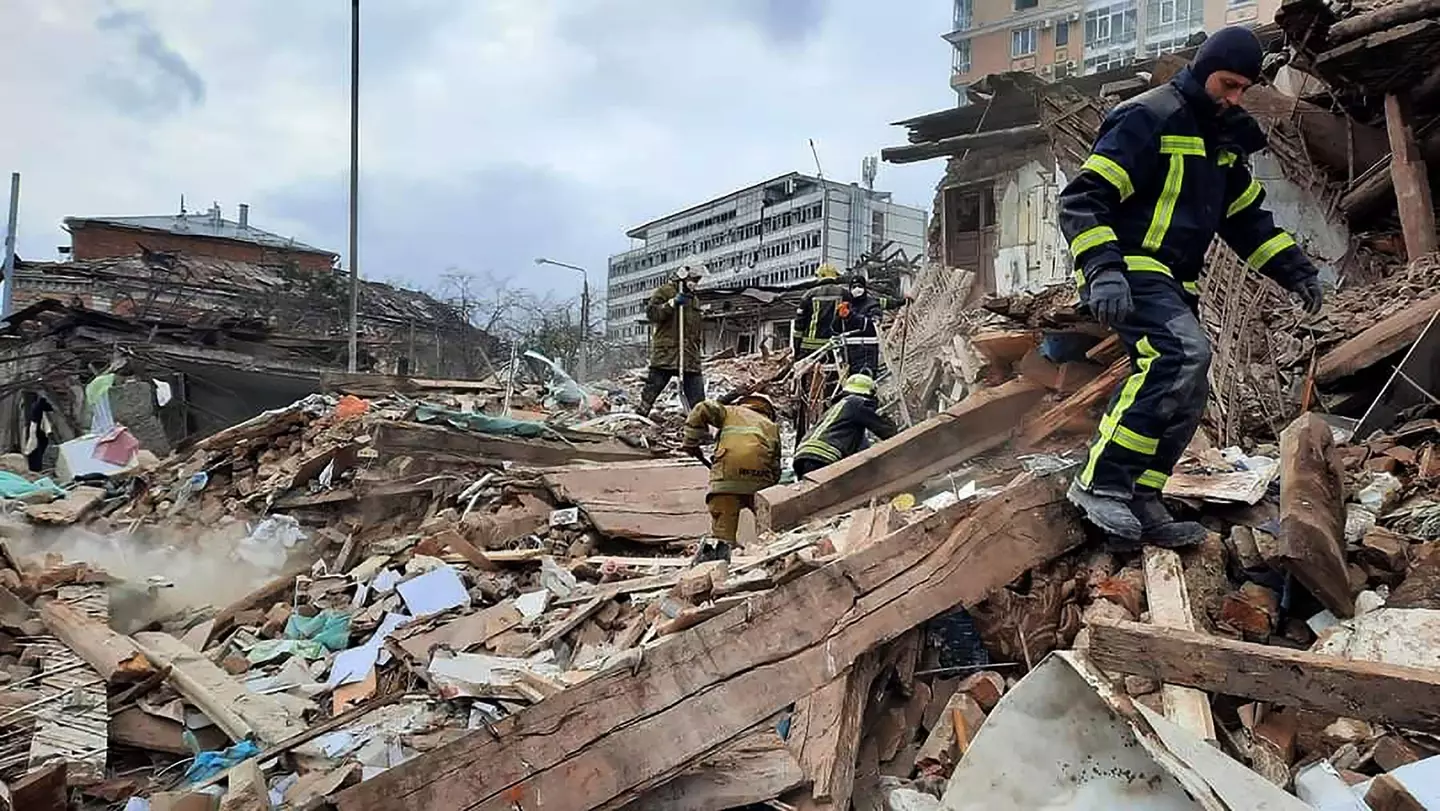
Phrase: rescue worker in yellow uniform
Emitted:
{"points": [[841, 431], [817, 319], [747, 460], [1169, 171]]}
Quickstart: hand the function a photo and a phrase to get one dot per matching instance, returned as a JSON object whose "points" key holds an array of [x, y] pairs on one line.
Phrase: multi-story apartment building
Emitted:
{"points": [[770, 234], [1057, 38]]}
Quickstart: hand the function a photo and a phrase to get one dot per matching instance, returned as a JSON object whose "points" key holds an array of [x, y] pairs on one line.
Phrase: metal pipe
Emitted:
{"points": [[353, 364], [8, 296]]}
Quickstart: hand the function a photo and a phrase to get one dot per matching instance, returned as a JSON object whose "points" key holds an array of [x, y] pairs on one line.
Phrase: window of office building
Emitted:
{"points": [[1026, 5], [1062, 34], [962, 56], [1022, 42]]}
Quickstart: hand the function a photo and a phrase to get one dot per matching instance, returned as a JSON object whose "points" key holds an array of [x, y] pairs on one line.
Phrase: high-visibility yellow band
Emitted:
{"points": [[1128, 439], [819, 449], [1111, 171], [1079, 278], [1152, 478], [1182, 145], [732, 430], [1165, 205], [1146, 264], [1148, 353], [1269, 248], [1091, 238], [1247, 197], [1193, 288], [1226, 158]]}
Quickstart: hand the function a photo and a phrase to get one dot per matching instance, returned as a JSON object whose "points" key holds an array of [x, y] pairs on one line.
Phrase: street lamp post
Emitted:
{"points": [[582, 364], [354, 360]]}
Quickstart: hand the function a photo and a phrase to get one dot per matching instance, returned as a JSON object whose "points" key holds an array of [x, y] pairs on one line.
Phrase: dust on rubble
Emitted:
{"points": [[157, 573]]}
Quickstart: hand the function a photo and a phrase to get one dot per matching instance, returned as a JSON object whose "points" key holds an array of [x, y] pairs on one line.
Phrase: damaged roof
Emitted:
{"points": [[210, 225]]}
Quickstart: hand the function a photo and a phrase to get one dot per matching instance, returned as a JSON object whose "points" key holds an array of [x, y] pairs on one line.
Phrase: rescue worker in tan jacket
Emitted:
{"points": [[747, 460]]}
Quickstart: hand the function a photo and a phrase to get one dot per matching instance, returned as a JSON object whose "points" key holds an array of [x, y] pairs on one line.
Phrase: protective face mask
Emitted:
{"points": [[857, 292]]}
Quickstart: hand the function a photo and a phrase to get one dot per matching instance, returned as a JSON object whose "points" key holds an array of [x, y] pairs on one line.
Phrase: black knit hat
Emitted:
{"points": [[1235, 49]]}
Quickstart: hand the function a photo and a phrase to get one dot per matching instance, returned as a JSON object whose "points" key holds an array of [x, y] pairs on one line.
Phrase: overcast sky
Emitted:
{"points": [[492, 131]]}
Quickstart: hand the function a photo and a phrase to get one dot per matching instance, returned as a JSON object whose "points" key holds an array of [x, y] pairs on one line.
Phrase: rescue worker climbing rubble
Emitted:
{"points": [[747, 460], [841, 431], [817, 319], [676, 344], [1168, 172], [862, 311]]}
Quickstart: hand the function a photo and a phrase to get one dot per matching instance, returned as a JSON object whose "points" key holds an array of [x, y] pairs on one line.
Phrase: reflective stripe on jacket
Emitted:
{"points": [[841, 430], [747, 452], [1166, 175]]}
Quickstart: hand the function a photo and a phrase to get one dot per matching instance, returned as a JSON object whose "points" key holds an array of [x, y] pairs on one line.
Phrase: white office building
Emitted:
{"points": [[774, 233]]}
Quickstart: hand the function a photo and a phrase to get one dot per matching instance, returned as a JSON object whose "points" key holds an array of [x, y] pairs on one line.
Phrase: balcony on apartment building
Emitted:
{"points": [[1041, 36]]}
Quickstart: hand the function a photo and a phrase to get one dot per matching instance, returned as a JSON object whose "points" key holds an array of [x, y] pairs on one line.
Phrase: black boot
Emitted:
{"points": [[1159, 527], [1111, 515]]}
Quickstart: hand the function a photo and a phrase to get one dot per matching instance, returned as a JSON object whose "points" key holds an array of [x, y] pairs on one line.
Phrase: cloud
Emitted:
{"points": [[152, 79], [490, 132]]}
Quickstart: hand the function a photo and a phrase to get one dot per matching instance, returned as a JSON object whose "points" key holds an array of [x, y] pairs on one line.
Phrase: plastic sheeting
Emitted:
{"points": [[484, 423]]}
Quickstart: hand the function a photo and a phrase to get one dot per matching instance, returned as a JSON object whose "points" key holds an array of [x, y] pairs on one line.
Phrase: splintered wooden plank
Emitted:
{"points": [[113, 655], [1405, 697], [1378, 342], [825, 732], [1169, 601], [751, 769], [673, 506], [1311, 543], [216, 693], [982, 422], [73, 727], [622, 733]]}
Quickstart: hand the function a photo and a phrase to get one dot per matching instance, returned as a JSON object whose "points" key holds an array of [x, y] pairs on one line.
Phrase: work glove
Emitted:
{"points": [[1309, 292], [1110, 297]]}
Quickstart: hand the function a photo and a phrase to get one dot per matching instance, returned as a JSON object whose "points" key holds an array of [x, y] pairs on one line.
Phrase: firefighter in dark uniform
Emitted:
{"points": [[1169, 171], [863, 310], [841, 431], [817, 319]]}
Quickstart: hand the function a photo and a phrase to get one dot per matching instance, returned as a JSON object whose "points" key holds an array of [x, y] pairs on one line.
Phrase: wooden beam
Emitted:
{"points": [[224, 700], [825, 732], [622, 733], [1311, 543], [1078, 404], [1170, 607], [444, 442], [1405, 697], [1384, 17], [1378, 342], [113, 655], [1412, 181], [1016, 137], [751, 769], [982, 422]]}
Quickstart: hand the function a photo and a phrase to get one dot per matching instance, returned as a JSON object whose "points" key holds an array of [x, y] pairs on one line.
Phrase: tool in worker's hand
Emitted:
{"points": [[699, 456]]}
